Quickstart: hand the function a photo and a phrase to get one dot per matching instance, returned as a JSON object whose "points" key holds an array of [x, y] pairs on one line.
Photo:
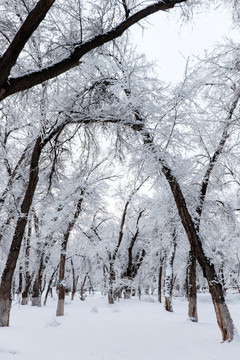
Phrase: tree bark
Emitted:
{"points": [[82, 297], [74, 281], [169, 275], [61, 290], [36, 291], [160, 280], [20, 282], [192, 288], [25, 293], [111, 283]]}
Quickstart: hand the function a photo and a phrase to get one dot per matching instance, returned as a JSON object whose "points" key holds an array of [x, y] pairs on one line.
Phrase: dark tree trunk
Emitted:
{"points": [[91, 288], [221, 276], [160, 280], [169, 275], [28, 279], [74, 281], [8, 272], [82, 297], [192, 288], [61, 289], [36, 291], [20, 281], [127, 293], [49, 288], [25, 293], [111, 284]]}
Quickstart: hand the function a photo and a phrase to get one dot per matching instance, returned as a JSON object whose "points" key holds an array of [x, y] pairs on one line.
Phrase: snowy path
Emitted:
{"points": [[130, 329]]}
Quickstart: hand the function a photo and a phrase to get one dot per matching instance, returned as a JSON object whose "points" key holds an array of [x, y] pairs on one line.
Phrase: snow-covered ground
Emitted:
{"points": [[129, 329]]}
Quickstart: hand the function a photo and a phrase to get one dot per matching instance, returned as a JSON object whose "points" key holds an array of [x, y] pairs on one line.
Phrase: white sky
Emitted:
{"points": [[170, 41]]}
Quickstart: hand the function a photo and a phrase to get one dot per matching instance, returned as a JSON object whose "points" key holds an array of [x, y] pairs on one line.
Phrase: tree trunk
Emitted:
{"points": [[160, 281], [82, 297], [28, 279], [61, 290], [49, 286], [91, 288], [169, 275], [8, 272], [61, 293], [36, 292], [74, 282], [127, 293], [20, 282], [222, 278], [25, 293], [111, 284], [192, 288], [38, 287]]}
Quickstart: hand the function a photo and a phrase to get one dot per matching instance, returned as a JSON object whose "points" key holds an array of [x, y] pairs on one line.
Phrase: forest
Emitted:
{"points": [[112, 180]]}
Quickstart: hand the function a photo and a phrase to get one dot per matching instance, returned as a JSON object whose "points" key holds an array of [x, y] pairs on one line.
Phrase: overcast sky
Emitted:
{"points": [[170, 41]]}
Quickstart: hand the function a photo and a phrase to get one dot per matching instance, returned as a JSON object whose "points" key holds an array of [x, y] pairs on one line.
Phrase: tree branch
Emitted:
{"points": [[33, 20], [214, 159], [14, 85]]}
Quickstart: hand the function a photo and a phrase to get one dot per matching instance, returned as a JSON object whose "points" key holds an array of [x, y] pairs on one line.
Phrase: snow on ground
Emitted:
{"points": [[129, 329]]}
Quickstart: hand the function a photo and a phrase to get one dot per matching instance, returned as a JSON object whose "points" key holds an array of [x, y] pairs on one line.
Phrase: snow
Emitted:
{"points": [[129, 329]]}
